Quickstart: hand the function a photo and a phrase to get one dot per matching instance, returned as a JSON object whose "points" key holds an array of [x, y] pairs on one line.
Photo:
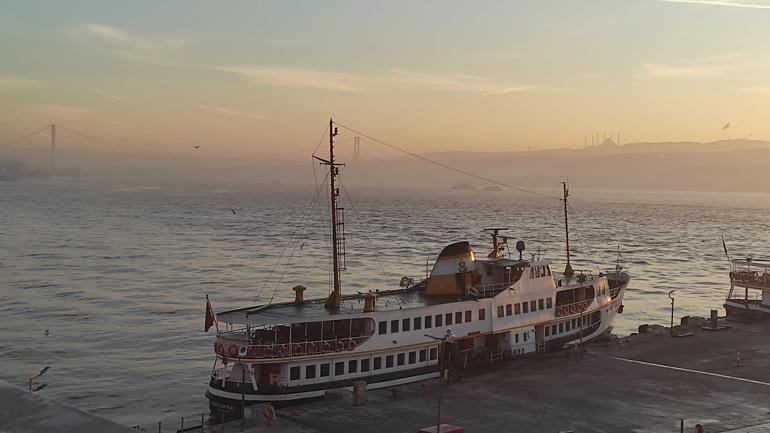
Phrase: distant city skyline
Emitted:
{"points": [[246, 78]]}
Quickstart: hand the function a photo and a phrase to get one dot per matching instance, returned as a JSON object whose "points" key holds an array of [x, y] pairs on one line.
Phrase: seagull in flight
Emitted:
{"points": [[233, 211], [196, 147]]}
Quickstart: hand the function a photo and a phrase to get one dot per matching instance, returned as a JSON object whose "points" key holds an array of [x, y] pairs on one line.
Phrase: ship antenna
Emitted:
{"points": [[333, 302], [567, 269]]}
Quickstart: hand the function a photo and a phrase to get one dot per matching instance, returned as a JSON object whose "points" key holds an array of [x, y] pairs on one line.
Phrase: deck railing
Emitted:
{"points": [[488, 290], [234, 348], [573, 308]]}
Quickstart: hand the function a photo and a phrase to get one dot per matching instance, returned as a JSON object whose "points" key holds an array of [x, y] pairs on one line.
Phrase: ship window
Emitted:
{"points": [[448, 319], [548, 270], [569, 325], [428, 322], [401, 358], [377, 362], [310, 372], [439, 318], [524, 307], [541, 304], [532, 305], [553, 329], [339, 368], [325, 370], [517, 308], [352, 366], [524, 334], [417, 323], [482, 313], [405, 324], [500, 311], [389, 361], [468, 317], [517, 337], [547, 331], [433, 353], [459, 317], [508, 310], [548, 303], [294, 373], [393, 326], [383, 327], [365, 365], [531, 273], [574, 323], [423, 355], [412, 357], [561, 327]]}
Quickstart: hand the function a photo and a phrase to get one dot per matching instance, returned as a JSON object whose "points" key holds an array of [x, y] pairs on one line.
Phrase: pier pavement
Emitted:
{"points": [[644, 383]]}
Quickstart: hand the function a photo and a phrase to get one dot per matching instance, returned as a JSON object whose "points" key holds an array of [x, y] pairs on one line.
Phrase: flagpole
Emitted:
{"points": [[208, 306]]}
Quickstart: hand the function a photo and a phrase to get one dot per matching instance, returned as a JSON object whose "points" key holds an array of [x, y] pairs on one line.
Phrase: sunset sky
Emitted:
{"points": [[244, 77]]}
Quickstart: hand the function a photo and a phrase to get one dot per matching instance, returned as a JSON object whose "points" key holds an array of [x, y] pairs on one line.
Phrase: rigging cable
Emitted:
{"points": [[446, 166], [358, 217], [302, 221]]}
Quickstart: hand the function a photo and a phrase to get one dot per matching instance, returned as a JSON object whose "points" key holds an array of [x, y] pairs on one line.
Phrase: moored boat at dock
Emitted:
{"points": [[753, 302], [468, 311]]}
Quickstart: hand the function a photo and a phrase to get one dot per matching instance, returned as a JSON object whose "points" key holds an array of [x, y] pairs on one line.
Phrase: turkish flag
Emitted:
{"points": [[211, 318]]}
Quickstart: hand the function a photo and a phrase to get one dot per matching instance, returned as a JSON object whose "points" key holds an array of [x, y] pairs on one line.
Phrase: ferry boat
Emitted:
{"points": [[753, 302], [469, 310]]}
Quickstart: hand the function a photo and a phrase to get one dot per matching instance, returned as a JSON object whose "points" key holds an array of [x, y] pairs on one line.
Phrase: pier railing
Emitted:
{"points": [[235, 348]]}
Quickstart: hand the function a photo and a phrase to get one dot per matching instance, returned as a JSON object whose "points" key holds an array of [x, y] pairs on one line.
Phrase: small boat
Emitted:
{"points": [[753, 302], [470, 310]]}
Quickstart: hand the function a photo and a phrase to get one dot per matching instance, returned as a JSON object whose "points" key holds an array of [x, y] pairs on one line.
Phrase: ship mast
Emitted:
{"points": [[567, 269], [333, 301]]}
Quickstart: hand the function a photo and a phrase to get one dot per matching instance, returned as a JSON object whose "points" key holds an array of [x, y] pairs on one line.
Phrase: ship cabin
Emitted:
{"points": [[753, 302]]}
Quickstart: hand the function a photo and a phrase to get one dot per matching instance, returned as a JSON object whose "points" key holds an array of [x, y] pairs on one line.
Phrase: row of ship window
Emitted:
{"points": [[427, 322], [524, 307], [567, 326], [363, 365]]}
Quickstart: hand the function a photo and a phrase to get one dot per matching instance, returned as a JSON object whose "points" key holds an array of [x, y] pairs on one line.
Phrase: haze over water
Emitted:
{"points": [[118, 272]]}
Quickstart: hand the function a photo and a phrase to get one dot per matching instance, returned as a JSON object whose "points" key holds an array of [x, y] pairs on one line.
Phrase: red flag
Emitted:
{"points": [[211, 318]]}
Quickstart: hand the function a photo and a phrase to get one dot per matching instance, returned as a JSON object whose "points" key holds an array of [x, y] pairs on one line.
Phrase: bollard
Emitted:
{"points": [[201, 423], [182, 429], [159, 427], [681, 425], [738, 359]]}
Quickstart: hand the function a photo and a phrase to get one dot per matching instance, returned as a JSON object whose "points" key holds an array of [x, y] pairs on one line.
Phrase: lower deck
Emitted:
{"points": [[311, 377]]}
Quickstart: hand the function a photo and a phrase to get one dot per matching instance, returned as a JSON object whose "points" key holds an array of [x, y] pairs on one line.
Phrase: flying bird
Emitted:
{"points": [[196, 147], [233, 211], [727, 125]]}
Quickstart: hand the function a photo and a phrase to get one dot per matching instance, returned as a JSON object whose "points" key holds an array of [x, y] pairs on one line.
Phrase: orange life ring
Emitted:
{"points": [[352, 344], [298, 349], [559, 311], [284, 350], [340, 345], [233, 351], [268, 412]]}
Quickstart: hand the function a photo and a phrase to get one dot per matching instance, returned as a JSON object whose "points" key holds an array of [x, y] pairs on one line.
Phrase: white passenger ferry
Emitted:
{"points": [[753, 302], [494, 307]]}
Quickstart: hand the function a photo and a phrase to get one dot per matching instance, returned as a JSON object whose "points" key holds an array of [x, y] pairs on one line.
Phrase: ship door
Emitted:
{"points": [[460, 282], [540, 338]]}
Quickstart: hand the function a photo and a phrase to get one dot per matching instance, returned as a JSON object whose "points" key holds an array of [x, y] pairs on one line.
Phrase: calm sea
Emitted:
{"points": [[118, 273]]}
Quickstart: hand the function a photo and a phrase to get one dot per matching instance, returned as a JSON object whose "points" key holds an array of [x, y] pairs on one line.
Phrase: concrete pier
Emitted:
{"points": [[645, 383]]}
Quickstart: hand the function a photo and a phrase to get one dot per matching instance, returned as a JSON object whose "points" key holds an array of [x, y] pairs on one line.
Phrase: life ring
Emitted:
{"points": [[242, 351], [233, 351], [340, 346], [326, 347], [352, 344], [298, 350], [284, 350], [268, 412], [405, 281], [220, 348], [559, 311], [732, 275]]}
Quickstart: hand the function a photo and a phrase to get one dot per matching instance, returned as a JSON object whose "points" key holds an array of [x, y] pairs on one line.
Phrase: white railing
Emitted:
{"points": [[488, 290], [239, 349], [573, 308]]}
